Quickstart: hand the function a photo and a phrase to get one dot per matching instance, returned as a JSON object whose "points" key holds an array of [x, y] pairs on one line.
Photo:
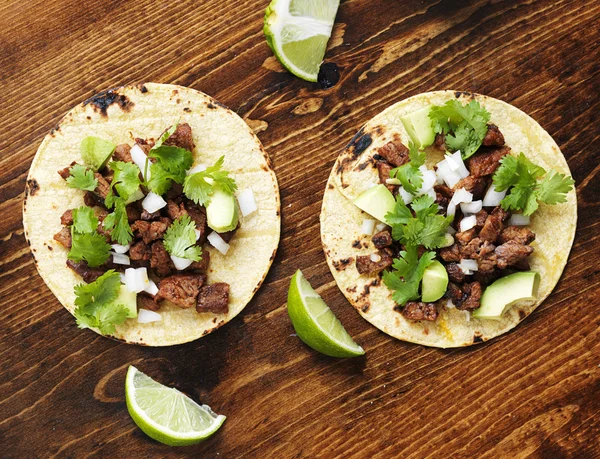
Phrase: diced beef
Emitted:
{"points": [[364, 264], [382, 239], [65, 173], [481, 217], [518, 234], [475, 185], [88, 273], [201, 264], [175, 191], [440, 142], [67, 218], [149, 231], [441, 201], [486, 162], [214, 298], [511, 253], [181, 289], [455, 293], [493, 136], [419, 311], [464, 237], [132, 213], [198, 215], [175, 210], [145, 145], [486, 278], [228, 235], [455, 274], [492, 228], [476, 249], [394, 153], [522, 265], [146, 301], [140, 251], [145, 215], [487, 264], [451, 253], [500, 213], [122, 153], [444, 190], [103, 187], [182, 137], [160, 260], [90, 199], [472, 295], [384, 169], [64, 237]]}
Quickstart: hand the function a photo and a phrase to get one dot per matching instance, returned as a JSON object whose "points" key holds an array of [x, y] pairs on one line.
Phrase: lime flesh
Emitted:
{"points": [[315, 323], [298, 31], [167, 415]]}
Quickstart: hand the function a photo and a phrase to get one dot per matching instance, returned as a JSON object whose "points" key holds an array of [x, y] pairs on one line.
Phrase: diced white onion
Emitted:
{"points": [[136, 280], [198, 233], [247, 202], [120, 258], [405, 195], [429, 179], [153, 202], [180, 263], [471, 207], [218, 243], [461, 169], [452, 179], [467, 223], [197, 168], [448, 240], [451, 210], [446, 174], [118, 248], [380, 227], [122, 276], [139, 158], [375, 257], [467, 264], [152, 288], [368, 226], [393, 181], [452, 164], [518, 220], [443, 168], [431, 192], [136, 196], [145, 316], [450, 304], [492, 197], [462, 195], [467, 272], [467, 316]]}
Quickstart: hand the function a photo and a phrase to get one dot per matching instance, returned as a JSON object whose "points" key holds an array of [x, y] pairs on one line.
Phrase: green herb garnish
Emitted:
{"points": [[117, 223], [82, 178], [126, 179], [84, 220], [89, 247], [407, 273], [180, 239], [199, 187], [409, 174]]}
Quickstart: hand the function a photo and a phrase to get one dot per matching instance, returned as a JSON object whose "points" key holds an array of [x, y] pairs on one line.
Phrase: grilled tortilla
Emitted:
{"points": [[121, 115], [341, 222]]}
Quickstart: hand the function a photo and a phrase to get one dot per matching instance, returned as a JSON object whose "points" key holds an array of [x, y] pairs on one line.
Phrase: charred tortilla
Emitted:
{"points": [[121, 115], [355, 171]]}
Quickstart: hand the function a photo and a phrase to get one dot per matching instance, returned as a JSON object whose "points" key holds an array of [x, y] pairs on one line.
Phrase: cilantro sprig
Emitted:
{"points": [[464, 126], [529, 184], [180, 239], [199, 187], [82, 178], [95, 303], [86, 244], [407, 273], [117, 223], [409, 174]]}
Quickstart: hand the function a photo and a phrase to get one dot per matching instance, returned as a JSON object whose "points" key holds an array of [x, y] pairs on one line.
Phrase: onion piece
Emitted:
{"points": [[375, 257], [467, 264], [247, 202], [136, 280], [152, 288], [393, 181], [145, 316], [368, 226], [467, 223], [140, 159], [451, 210], [122, 276], [120, 259], [431, 192], [448, 241], [218, 243], [198, 233], [118, 248], [180, 263], [450, 304], [462, 195], [467, 316], [136, 196], [519, 220], [405, 195], [153, 202], [380, 227], [452, 179], [492, 197], [429, 179], [461, 169], [197, 168], [471, 207]]}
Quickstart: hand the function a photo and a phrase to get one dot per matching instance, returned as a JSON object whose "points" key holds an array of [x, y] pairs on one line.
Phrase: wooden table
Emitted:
{"points": [[533, 392]]}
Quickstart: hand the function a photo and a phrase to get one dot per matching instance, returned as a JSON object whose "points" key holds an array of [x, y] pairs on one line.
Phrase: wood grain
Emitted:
{"points": [[534, 392]]}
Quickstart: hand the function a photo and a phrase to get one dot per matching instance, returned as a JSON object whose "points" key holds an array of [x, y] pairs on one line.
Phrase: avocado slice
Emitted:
{"points": [[419, 128], [376, 201], [127, 299], [96, 152], [222, 211], [505, 292], [434, 283]]}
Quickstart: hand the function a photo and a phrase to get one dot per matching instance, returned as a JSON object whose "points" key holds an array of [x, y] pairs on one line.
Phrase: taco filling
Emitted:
{"points": [[141, 237]]}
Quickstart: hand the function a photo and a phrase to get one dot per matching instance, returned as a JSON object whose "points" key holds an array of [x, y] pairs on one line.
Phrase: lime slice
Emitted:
{"points": [[315, 323], [298, 31], [166, 414]]}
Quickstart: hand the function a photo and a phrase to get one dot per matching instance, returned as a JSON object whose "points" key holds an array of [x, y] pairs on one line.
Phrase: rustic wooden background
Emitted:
{"points": [[534, 392]]}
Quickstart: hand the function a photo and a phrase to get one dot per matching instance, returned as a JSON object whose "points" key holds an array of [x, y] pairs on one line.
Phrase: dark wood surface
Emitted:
{"points": [[534, 392]]}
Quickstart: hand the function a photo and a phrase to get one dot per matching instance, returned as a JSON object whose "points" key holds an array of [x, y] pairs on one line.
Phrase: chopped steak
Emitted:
{"points": [[160, 260], [493, 136], [201, 264], [492, 228], [511, 253], [455, 274], [181, 289], [440, 142], [384, 169], [145, 301], [144, 144], [64, 237], [198, 215], [182, 137], [394, 153], [522, 265], [145, 215], [103, 187], [174, 192], [444, 190], [90, 199], [441, 201], [214, 298], [364, 264], [451, 253], [518, 234], [89, 274], [472, 293], [382, 239], [501, 213], [132, 213], [419, 311], [140, 251], [149, 231], [455, 293], [464, 237], [486, 162], [122, 153], [487, 263], [228, 235], [175, 210], [65, 173], [486, 278], [67, 218], [476, 249], [481, 217], [475, 185]]}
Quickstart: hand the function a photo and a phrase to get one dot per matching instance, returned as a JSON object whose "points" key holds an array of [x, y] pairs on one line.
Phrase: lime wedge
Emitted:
{"points": [[298, 31], [166, 414], [315, 323]]}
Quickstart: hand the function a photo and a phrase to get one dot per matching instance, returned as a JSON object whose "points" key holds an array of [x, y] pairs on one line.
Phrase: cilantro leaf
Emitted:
{"points": [[401, 214], [84, 220], [424, 205], [165, 135], [89, 247], [103, 290], [554, 187], [409, 174], [199, 187], [407, 274], [118, 224], [433, 234], [173, 159], [161, 180], [126, 179], [180, 239], [82, 178]]}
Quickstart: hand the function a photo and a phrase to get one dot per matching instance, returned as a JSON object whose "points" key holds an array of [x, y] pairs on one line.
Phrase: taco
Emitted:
{"points": [[152, 213], [448, 218]]}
